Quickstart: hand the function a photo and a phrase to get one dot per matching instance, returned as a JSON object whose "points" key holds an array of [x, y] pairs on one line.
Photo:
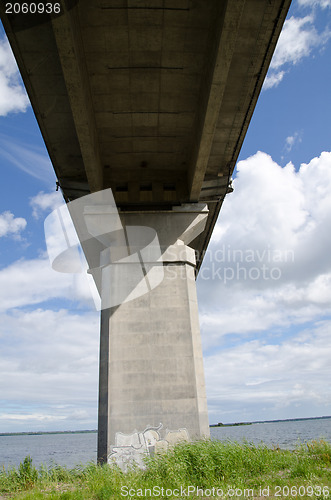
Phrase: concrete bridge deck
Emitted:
{"points": [[149, 97]]}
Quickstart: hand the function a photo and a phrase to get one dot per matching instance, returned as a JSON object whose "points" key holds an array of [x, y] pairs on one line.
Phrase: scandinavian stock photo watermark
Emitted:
{"points": [[228, 264], [122, 262]]}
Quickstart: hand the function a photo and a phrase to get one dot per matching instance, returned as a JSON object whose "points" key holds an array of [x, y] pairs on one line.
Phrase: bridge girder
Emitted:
{"points": [[152, 98]]}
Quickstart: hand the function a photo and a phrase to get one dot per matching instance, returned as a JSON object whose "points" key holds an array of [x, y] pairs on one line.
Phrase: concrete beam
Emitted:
{"points": [[71, 53], [211, 94]]}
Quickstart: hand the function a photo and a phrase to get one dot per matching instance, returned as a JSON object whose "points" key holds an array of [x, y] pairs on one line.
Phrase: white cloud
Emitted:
{"points": [[26, 417], [271, 268], [48, 369], [32, 160], [315, 3], [299, 36], [269, 362], [291, 140], [262, 379], [11, 225], [13, 97], [44, 203], [28, 282], [273, 80], [297, 40]]}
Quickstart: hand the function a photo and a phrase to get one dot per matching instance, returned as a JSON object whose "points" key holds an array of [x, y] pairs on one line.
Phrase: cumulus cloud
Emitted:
{"points": [[268, 272], [31, 282], [44, 203], [271, 238], [48, 369], [286, 378], [297, 40], [11, 225], [291, 141], [273, 80], [315, 3], [28, 417], [13, 97]]}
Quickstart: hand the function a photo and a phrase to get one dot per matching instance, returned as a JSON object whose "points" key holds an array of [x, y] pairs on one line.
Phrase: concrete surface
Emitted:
{"points": [[151, 98], [151, 367]]}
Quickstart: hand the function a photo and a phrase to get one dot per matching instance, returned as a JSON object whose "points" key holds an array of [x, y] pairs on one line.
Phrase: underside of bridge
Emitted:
{"points": [[151, 98]]}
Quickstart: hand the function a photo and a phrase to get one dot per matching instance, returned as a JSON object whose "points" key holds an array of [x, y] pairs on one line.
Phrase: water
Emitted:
{"points": [[78, 449], [61, 449], [283, 434]]}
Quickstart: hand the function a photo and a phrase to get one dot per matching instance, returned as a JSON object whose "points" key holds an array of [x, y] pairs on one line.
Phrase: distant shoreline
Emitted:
{"points": [[41, 433], [220, 424], [235, 424]]}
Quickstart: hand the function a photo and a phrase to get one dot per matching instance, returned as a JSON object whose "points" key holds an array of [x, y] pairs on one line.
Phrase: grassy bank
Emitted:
{"points": [[235, 470]]}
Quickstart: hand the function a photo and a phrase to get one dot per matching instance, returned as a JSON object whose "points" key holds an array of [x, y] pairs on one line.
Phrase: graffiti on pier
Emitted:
{"points": [[133, 449]]}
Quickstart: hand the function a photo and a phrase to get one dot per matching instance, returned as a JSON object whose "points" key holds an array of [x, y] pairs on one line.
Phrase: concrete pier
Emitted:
{"points": [[152, 389]]}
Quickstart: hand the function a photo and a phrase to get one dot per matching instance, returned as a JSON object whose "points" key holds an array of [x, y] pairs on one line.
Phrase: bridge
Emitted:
{"points": [[151, 98]]}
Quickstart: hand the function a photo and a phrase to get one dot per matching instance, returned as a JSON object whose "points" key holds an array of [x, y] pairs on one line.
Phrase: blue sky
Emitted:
{"points": [[265, 286]]}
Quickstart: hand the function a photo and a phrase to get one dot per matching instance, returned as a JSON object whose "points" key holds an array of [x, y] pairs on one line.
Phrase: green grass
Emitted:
{"points": [[239, 470]]}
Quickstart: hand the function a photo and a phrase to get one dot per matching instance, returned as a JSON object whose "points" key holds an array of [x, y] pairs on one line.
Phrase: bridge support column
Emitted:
{"points": [[152, 389]]}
